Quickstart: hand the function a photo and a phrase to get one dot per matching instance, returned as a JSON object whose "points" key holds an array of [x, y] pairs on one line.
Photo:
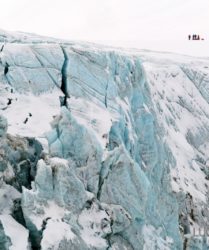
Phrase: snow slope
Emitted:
{"points": [[125, 140]]}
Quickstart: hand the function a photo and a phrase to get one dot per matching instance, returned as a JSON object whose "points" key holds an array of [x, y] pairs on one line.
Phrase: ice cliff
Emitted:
{"points": [[101, 148]]}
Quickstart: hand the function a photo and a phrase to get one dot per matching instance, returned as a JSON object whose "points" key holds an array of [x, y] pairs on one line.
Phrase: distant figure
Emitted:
{"points": [[26, 120], [198, 37], [189, 36], [194, 37], [9, 101]]}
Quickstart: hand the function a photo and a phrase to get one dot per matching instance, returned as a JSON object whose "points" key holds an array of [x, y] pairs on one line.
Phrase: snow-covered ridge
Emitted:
{"points": [[124, 134]]}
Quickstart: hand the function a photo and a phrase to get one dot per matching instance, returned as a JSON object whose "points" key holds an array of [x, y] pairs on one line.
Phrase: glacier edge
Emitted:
{"points": [[125, 166]]}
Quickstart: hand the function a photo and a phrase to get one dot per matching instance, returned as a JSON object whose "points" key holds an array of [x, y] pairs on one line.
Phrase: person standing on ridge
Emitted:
{"points": [[189, 37]]}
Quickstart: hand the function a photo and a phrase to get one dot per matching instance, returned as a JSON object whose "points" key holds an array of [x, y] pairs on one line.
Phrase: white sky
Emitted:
{"points": [[150, 24]]}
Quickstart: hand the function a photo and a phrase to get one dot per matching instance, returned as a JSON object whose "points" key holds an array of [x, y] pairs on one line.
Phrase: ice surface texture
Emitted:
{"points": [[124, 163]]}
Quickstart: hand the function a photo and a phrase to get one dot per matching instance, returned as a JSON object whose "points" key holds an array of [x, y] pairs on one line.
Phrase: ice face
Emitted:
{"points": [[123, 162]]}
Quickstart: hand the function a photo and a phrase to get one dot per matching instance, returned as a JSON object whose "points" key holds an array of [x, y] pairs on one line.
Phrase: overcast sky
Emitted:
{"points": [[132, 23]]}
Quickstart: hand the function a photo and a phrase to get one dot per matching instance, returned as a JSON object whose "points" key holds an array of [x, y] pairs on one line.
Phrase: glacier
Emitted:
{"points": [[101, 148]]}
